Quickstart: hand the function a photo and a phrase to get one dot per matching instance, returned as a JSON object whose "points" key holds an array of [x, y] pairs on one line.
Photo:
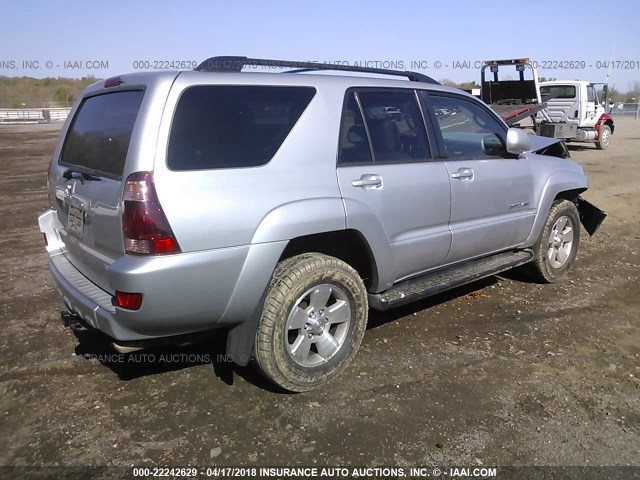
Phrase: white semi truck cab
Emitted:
{"points": [[575, 113]]}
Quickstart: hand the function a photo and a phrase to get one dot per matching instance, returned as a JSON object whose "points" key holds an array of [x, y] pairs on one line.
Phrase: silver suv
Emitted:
{"points": [[282, 206]]}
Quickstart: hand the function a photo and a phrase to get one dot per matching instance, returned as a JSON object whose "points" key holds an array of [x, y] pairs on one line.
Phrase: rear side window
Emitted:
{"points": [[233, 126], [98, 139], [395, 126], [354, 144]]}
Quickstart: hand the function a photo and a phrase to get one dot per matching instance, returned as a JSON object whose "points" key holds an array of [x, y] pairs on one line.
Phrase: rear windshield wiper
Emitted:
{"points": [[68, 174]]}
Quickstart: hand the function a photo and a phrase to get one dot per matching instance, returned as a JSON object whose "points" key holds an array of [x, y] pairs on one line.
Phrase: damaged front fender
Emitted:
{"points": [[591, 216], [553, 147]]}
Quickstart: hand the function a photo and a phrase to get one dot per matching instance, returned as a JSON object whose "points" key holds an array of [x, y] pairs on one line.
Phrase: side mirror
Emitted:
{"points": [[518, 141], [605, 96]]}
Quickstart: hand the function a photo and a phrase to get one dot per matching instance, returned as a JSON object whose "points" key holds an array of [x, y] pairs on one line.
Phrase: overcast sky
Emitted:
{"points": [[75, 38]]}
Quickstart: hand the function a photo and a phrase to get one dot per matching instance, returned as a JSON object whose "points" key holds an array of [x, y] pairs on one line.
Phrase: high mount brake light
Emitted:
{"points": [[112, 82], [145, 228]]}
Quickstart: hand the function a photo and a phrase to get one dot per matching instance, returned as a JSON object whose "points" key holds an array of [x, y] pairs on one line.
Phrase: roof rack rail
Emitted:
{"points": [[236, 64]]}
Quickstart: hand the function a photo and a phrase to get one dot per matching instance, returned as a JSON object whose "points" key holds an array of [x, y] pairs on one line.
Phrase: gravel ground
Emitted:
{"points": [[500, 372]]}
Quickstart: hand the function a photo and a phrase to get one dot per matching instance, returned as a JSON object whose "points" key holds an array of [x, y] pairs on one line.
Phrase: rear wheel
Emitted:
{"points": [[313, 321], [605, 138], [558, 244]]}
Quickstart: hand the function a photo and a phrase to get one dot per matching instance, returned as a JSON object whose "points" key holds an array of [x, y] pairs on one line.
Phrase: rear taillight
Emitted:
{"points": [[145, 228]]}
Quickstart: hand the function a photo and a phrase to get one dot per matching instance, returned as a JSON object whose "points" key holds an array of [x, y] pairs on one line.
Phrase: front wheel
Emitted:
{"points": [[313, 321], [605, 138], [558, 244]]}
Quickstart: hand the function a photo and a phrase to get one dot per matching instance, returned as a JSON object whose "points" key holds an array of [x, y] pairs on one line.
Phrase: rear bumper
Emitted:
{"points": [[183, 293], [80, 296]]}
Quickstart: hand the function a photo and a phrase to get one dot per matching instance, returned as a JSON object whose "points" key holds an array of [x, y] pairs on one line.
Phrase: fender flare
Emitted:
{"points": [[560, 181], [292, 220], [299, 218], [605, 119]]}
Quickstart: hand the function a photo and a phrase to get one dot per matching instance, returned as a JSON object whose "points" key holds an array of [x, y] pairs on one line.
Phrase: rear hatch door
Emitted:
{"points": [[88, 177]]}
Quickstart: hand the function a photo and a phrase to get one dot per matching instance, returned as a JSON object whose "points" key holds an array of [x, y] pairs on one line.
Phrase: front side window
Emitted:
{"points": [[233, 126], [468, 130], [591, 93]]}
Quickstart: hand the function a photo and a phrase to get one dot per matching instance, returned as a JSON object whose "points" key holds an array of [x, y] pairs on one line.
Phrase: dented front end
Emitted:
{"points": [[553, 147], [591, 216]]}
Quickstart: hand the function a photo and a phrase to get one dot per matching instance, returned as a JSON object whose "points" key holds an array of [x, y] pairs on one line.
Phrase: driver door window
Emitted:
{"points": [[467, 130]]}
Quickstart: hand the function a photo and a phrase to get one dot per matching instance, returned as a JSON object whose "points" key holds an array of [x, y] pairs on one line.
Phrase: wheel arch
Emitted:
{"points": [[609, 122], [348, 245], [571, 195], [605, 119]]}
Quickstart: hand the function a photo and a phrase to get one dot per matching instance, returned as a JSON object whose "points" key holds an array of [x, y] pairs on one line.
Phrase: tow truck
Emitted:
{"points": [[568, 110]]}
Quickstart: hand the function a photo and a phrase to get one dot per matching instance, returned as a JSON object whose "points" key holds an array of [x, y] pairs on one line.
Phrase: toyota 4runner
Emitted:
{"points": [[283, 206]]}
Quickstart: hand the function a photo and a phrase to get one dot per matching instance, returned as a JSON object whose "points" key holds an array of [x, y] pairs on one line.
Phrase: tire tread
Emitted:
{"points": [[288, 274]]}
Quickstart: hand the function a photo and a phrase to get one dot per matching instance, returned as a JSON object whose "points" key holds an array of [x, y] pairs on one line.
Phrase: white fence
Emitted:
{"points": [[33, 115], [629, 110]]}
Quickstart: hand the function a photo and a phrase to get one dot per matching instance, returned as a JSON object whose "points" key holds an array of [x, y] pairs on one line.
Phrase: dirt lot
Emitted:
{"points": [[497, 373]]}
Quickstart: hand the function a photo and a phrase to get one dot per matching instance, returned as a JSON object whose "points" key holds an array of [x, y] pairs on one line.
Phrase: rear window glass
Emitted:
{"points": [[98, 139], [232, 127], [559, 91]]}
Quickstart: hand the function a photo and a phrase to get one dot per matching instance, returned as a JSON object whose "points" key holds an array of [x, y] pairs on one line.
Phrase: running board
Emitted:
{"points": [[447, 278]]}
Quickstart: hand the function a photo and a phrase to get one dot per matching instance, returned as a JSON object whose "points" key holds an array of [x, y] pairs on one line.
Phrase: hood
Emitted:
{"points": [[554, 147], [538, 143]]}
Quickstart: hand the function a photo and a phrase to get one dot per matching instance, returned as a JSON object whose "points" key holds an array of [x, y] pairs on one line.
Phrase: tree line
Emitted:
{"points": [[28, 92]]}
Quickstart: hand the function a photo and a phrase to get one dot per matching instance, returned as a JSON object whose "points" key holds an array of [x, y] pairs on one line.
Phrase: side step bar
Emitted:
{"points": [[447, 278]]}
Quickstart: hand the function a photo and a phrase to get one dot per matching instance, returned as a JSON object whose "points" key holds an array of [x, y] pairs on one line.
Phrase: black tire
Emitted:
{"points": [[605, 138], [550, 266], [281, 340]]}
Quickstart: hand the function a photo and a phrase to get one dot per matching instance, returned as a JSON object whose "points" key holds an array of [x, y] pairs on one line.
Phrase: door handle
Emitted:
{"points": [[368, 182], [463, 174]]}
